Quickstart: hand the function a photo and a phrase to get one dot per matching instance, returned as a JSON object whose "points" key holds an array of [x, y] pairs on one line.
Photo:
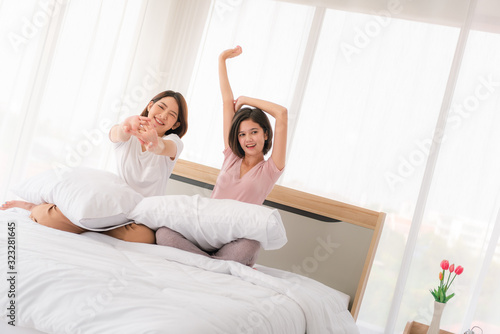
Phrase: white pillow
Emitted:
{"points": [[94, 199], [211, 223]]}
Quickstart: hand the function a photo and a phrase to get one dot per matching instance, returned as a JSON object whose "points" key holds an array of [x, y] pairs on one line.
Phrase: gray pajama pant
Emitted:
{"points": [[242, 250]]}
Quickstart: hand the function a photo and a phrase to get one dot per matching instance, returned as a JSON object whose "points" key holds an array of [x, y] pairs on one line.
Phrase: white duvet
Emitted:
{"points": [[92, 283]]}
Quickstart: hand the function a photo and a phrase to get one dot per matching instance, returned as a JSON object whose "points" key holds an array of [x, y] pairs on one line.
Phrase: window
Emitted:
{"points": [[273, 36], [364, 88]]}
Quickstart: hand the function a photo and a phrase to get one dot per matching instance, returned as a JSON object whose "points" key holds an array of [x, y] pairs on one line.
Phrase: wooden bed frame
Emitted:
{"points": [[297, 202]]}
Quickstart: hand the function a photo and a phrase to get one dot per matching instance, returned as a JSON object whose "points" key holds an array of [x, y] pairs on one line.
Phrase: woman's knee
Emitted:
{"points": [[162, 232], [167, 237], [143, 234], [49, 215], [251, 245], [133, 233], [244, 251]]}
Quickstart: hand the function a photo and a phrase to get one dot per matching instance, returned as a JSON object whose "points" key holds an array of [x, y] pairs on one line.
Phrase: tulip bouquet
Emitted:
{"points": [[440, 293]]}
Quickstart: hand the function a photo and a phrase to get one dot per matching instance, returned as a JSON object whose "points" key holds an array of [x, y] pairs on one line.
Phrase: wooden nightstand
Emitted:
{"points": [[418, 328]]}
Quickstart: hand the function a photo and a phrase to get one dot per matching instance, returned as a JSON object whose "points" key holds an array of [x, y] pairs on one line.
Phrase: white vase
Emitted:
{"points": [[436, 318]]}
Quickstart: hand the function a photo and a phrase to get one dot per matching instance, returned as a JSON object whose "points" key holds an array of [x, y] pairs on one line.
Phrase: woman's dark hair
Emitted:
{"points": [[259, 117], [182, 118]]}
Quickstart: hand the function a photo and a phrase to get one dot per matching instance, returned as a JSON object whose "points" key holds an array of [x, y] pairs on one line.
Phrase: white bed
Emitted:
{"points": [[92, 283]]}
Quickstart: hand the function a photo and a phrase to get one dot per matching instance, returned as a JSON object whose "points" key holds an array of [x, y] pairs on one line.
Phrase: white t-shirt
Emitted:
{"points": [[146, 172]]}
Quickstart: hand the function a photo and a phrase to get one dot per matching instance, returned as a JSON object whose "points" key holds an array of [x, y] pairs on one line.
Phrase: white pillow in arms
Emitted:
{"points": [[211, 223], [94, 199]]}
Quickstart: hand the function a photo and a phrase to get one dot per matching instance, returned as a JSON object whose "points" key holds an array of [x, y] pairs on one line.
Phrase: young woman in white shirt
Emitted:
{"points": [[148, 146]]}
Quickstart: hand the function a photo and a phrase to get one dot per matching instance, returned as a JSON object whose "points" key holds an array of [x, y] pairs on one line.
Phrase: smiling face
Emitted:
{"points": [[251, 137], [242, 141], [164, 114]]}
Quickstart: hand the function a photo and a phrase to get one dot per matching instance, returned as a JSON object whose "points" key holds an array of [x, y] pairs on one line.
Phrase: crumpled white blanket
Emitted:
{"points": [[92, 283]]}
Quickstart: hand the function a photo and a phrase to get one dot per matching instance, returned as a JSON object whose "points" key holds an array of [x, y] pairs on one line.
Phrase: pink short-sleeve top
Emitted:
{"points": [[253, 187]]}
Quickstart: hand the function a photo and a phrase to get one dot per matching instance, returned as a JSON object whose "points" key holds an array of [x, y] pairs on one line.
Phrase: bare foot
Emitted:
{"points": [[17, 204]]}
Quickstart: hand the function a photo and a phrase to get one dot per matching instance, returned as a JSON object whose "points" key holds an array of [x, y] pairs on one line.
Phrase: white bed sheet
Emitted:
{"points": [[92, 283]]}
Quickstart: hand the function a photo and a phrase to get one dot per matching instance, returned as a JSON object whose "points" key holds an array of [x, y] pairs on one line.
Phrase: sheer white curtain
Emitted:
{"points": [[461, 219], [365, 84], [273, 36], [72, 69]]}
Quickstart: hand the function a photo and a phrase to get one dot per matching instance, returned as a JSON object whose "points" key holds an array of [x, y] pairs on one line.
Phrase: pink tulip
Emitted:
{"points": [[459, 270], [445, 264], [452, 268], [440, 275]]}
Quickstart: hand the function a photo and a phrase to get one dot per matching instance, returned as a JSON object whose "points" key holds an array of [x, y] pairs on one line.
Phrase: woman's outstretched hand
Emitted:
{"points": [[231, 53], [148, 137], [143, 129], [133, 124]]}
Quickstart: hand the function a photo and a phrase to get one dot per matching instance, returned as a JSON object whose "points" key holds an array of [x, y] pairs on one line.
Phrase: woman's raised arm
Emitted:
{"points": [[226, 91]]}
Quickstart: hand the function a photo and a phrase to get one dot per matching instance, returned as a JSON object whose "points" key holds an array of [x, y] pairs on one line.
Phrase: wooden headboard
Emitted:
{"points": [[312, 206]]}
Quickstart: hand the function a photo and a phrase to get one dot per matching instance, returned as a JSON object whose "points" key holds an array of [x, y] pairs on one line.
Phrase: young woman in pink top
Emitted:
{"points": [[245, 174]]}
